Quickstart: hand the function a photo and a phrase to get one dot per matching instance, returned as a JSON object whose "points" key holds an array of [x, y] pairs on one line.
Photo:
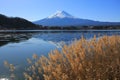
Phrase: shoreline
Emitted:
{"points": [[22, 31]]}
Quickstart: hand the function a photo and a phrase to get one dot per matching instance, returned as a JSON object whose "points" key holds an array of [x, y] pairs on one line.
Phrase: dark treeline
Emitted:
{"points": [[16, 23], [81, 27]]}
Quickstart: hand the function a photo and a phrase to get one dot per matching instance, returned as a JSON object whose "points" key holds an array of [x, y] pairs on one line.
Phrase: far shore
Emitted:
{"points": [[22, 31]]}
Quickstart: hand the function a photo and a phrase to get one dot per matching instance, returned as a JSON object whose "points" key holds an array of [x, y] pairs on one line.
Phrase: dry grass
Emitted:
{"points": [[82, 60]]}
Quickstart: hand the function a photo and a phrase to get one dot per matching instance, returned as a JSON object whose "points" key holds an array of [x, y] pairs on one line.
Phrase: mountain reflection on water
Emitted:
{"points": [[52, 36]]}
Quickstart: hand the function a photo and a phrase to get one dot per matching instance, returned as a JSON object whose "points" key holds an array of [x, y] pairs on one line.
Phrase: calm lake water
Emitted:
{"points": [[17, 47]]}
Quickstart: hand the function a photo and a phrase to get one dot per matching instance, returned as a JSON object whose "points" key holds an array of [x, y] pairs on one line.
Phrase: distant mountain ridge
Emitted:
{"points": [[62, 18], [16, 23]]}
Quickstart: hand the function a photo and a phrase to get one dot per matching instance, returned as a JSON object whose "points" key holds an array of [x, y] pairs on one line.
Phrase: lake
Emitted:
{"points": [[17, 46]]}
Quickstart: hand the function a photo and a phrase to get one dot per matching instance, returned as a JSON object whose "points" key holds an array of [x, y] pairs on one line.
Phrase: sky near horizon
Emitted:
{"points": [[100, 10]]}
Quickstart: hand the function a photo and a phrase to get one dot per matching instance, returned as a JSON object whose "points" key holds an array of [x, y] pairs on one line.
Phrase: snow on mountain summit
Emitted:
{"points": [[61, 14]]}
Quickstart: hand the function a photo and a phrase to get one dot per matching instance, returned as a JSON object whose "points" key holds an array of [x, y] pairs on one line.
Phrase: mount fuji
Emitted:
{"points": [[62, 18]]}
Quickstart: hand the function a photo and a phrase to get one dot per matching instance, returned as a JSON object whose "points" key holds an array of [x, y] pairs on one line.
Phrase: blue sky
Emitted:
{"points": [[101, 10]]}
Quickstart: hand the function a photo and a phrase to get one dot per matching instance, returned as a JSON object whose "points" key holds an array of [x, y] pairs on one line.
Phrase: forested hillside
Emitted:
{"points": [[16, 23]]}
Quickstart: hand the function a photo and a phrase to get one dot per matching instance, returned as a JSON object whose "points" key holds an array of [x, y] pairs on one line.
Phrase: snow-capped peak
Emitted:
{"points": [[61, 14]]}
